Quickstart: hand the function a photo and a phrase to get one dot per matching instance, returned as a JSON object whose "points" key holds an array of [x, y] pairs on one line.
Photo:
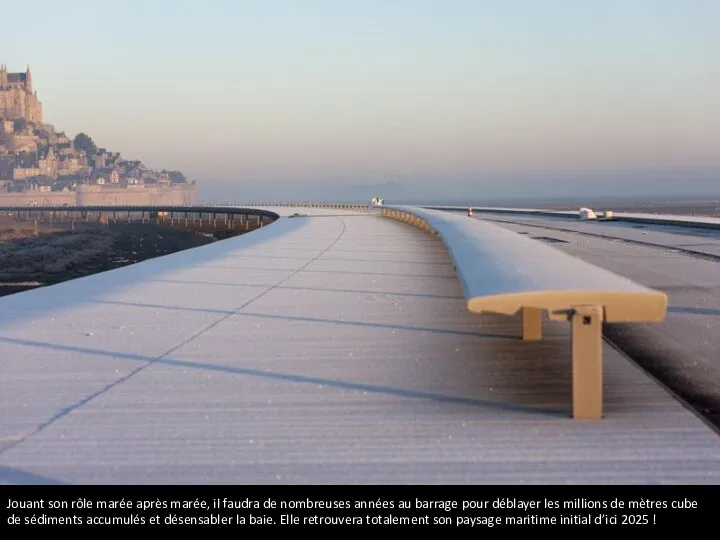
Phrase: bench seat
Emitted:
{"points": [[507, 273]]}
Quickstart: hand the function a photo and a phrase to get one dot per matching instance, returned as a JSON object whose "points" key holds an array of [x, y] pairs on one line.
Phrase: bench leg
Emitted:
{"points": [[531, 323], [587, 369]]}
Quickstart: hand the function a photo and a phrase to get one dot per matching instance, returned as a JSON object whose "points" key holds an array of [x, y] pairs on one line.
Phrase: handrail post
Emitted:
{"points": [[587, 363]]}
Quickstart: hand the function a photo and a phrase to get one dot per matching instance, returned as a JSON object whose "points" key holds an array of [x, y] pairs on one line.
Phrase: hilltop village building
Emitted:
{"points": [[35, 158]]}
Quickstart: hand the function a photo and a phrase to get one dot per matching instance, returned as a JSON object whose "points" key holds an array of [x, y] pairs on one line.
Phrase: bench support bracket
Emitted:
{"points": [[587, 364], [531, 323]]}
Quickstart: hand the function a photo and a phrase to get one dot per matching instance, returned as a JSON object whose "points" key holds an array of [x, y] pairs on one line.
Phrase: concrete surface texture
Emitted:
{"points": [[316, 350]]}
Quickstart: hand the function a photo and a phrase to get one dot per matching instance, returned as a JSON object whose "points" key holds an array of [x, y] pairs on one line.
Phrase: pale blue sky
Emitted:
{"points": [[373, 90]]}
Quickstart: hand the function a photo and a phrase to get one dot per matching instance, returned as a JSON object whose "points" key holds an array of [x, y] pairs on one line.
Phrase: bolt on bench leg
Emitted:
{"points": [[531, 324], [587, 364]]}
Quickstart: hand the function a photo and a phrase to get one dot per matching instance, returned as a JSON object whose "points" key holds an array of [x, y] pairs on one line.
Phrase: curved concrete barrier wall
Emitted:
{"points": [[502, 272], [507, 273]]}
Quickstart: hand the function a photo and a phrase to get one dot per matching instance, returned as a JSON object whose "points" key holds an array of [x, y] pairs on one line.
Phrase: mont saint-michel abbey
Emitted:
{"points": [[40, 165], [18, 100]]}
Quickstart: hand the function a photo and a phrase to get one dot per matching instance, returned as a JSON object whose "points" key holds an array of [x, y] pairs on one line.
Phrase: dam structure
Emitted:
{"points": [[352, 344]]}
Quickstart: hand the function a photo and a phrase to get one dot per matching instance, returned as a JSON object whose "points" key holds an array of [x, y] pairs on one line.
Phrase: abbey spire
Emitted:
{"points": [[17, 97]]}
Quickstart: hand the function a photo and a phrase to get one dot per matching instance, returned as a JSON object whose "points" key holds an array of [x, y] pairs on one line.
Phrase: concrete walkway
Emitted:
{"points": [[329, 349]]}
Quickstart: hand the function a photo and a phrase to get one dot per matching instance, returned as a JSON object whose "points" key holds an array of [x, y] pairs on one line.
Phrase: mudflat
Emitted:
{"points": [[32, 257]]}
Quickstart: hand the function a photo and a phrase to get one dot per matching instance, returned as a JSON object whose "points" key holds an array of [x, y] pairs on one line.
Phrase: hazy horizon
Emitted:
{"points": [[611, 187], [484, 99]]}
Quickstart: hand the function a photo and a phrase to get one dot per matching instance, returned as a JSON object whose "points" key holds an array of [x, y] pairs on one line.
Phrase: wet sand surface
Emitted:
{"points": [[57, 253]]}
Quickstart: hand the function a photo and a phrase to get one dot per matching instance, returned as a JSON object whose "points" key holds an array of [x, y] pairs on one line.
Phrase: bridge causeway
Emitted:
{"points": [[333, 350]]}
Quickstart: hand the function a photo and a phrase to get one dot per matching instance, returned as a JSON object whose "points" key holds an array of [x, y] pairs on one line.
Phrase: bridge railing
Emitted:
{"points": [[164, 213], [310, 204], [503, 272], [180, 206]]}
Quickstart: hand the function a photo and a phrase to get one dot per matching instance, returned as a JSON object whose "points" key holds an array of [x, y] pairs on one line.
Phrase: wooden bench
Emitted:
{"points": [[507, 273]]}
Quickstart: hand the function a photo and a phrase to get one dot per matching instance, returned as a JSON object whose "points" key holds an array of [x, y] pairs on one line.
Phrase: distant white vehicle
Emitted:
{"points": [[587, 214], [377, 201]]}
